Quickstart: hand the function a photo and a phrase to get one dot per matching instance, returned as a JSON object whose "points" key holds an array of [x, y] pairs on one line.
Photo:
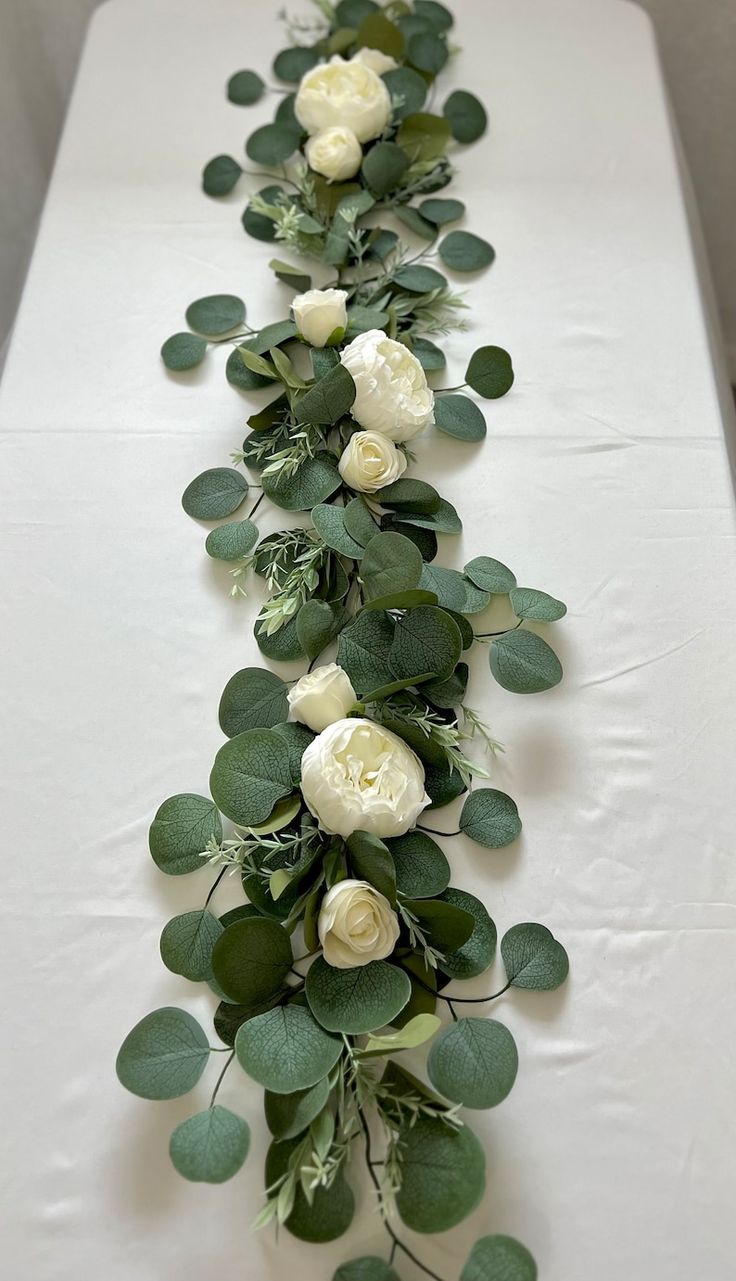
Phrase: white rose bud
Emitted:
{"points": [[392, 395], [369, 461], [335, 153], [339, 92], [377, 61], [356, 925], [321, 314], [358, 776], [322, 697]]}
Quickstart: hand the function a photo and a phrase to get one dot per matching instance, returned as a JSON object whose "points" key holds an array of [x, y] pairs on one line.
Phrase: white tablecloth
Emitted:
{"points": [[604, 479]]}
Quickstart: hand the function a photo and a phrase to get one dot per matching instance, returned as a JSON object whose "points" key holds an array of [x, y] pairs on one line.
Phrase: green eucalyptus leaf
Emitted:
{"points": [[259, 225], [180, 832], [440, 211], [422, 537], [164, 1056], [430, 356], [232, 541], [414, 496], [390, 564], [313, 481], [216, 314], [475, 955], [251, 959], [533, 958], [444, 520], [416, 279], [292, 64], [371, 861], [250, 774], [358, 521], [368, 1268], [490, 818], [272, 144], [462, 251], [297, 738], [290, 275], [329, 399], [361, 319], [412, 219], [376, 32], [443, 1173], [363, 649], [238, 373], [286, 1049], [282, 646], [453, 591], [446, 925], [214, 494], [527, 602], [435, 14], [318, 623], [328, 1212], [490, 575], [245, 87], [460, 417], [384, 166], [441, 786], [449, 692], [183, 351], [187, 942], [211, 1146], [474, 1062], [253, 699], [421, 869], [350, 13], [466, 115], [358, 1000], [490, 372], [408, 91], [523, 663], [288, 1115], [220, 175], [427, 52], [323, 360], [425, 640], [500, 1258], [329, 521]]}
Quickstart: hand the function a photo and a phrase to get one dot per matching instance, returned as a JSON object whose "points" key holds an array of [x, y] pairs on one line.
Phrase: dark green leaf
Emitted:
{"points": [[164, 1056], [288, 1115], [474, 1062], [180, 831], [350, 13], [297, 739], [384, 166], [232, 541], [214, 494], [286, 1049], [527, 602], [253, 699], [414, 496], [251, 959], [449, 692], [425, 640], [211, 1146], [250, 774], [183, 351], [361, 319], [258, 225], [313, 481], [477, 953], [490, 372], [358, 521], [329, 521], [323, 360], [453, 590], [533, 958], [330, 1211], [244, 88], [292, 64], [412, 219], [443, 1175], [422, 871], [430, 356], [372, 862], [329, 399], [216, 314], [318, 623], [220, 175], [444, 520], [427, 52], [408, 91], [391, 564], [436, 14], [441, 786], [290, 275], [368, 1268], [441, 211], [490, 818], [376, 32], [419, 280], [272, 144], [462, 251], [359, 1000], [283, 646], [490, 575], [467, 116], [239, 375], [500, 1258], [446, 926], [187, 942], [523, 663], [363, 649]]}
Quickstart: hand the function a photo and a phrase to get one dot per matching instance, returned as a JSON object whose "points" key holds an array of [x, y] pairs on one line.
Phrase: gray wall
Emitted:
{"points": [[40, 41]]}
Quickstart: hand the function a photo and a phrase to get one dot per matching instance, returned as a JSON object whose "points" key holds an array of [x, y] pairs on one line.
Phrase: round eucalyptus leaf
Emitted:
{"points": [[527, 602], [440, 211], [490, 372], [313, 481], [371, 861], [288, 1115], [474, 1062], [449, 692], [430, 356], [164, 1056], [501, 1258], [391, 564], [441, 786], [250, 774], [350, 13], [424, 539], [444, 520], [376, 32], [462, 251], [216, 314], [363, 648], [180, 832], [272, 144], [427, 52], [329, 1211], [244, 88], [220, 175], [239, 375], [490, 575], [416, 279], [286, 1049], [425, 640], [183, 351], [368, 1268], [187, 942], [232, 541], [434, 13], [408, 91], [414, 496], [251, 959], [490, 818], [318, 623], [460, 417], [292, 64], [384, 166], [533, 958], [329, 521], [422, 871], [446, 925], [283, 646], [210, 1147], [412, 219], [453, 591], [329, 399], [523, 663], [443, 1175], [359, 522], [477, 953], [214, 494], [358, 1000], [297, 738], [285, 114], [466, 115], [253, 699], [258, 225]]}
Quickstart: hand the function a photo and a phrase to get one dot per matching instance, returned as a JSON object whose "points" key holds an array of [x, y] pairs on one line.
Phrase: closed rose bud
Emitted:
{"points": [[369, 461], [392, 395], [320, 314], [339, 92], [356, 925], [335, 153], [322, 697]]}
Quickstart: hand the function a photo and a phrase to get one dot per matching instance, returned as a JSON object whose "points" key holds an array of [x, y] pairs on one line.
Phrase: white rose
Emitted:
{"points": [[392, 395], [369, 461], [321, 697], [335, 153], [358, 776], [339, 92], [319, 314], [356, 925], [377, 61]]}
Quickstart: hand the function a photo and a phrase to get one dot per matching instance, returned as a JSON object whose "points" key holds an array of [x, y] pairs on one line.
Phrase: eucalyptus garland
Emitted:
{"points": [[351, 936]]}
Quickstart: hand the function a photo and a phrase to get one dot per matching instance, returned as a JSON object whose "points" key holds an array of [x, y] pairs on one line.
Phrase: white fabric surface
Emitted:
{"points": [[604, 479]]}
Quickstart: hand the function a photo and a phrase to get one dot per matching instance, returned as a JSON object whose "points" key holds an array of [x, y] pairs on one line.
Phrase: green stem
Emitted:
{"points": [[254, 509], [214, 887], [218, 1083], [504, 631], [435, 831]]}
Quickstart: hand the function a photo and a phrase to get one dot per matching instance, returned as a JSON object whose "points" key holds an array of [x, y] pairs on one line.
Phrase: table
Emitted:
{"points": [[604, 479]]}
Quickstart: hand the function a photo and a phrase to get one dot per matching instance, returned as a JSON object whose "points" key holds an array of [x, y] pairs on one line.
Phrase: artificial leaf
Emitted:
{"points": [[232, 541], [462, 251], [524, 663], [440, 211], [413, 1033], [474, 1062], [164, 1056], [475, 955], [490, 372], [250, 774], [533, 958], [288, 1115], [391, 564], [372, 862], [211, 1146], [421, 869], [490, 818], [244, 88], [286, 1049], [272, 144], [251, 959], [527, 602], [180, 832], [253, 699], [425, 640], [357, 1000], [183, 351], [187, 942], [490, 575], [443, 1175], [313, 481], [216, 314], [466, 115], [220, 175], [329, 521], [384, 166], [292, 64], [408, 91], [453, 591], [500, 1258], [214, 494], [329, 399], [318, 623]]}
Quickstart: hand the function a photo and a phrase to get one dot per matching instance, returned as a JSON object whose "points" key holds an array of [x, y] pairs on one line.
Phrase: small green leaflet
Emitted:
{"points": [[216, 314], [474, 1062], [183, 351], [490, 372], [211, 1146], [180, 832], [164, 1055], [214, 494], [244, 88], [527, 602], [220, 175], [501, 1258], [490, 818], [524, 663], [533, 958], [187, 942]]}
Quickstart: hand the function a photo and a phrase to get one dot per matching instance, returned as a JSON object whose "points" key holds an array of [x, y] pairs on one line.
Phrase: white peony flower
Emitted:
{"points": [[392, 395], [339, 92], [358, 776], [369, 461], [319, 313], [335, 153], [322, 697], [356, 925], [377, 61]]}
